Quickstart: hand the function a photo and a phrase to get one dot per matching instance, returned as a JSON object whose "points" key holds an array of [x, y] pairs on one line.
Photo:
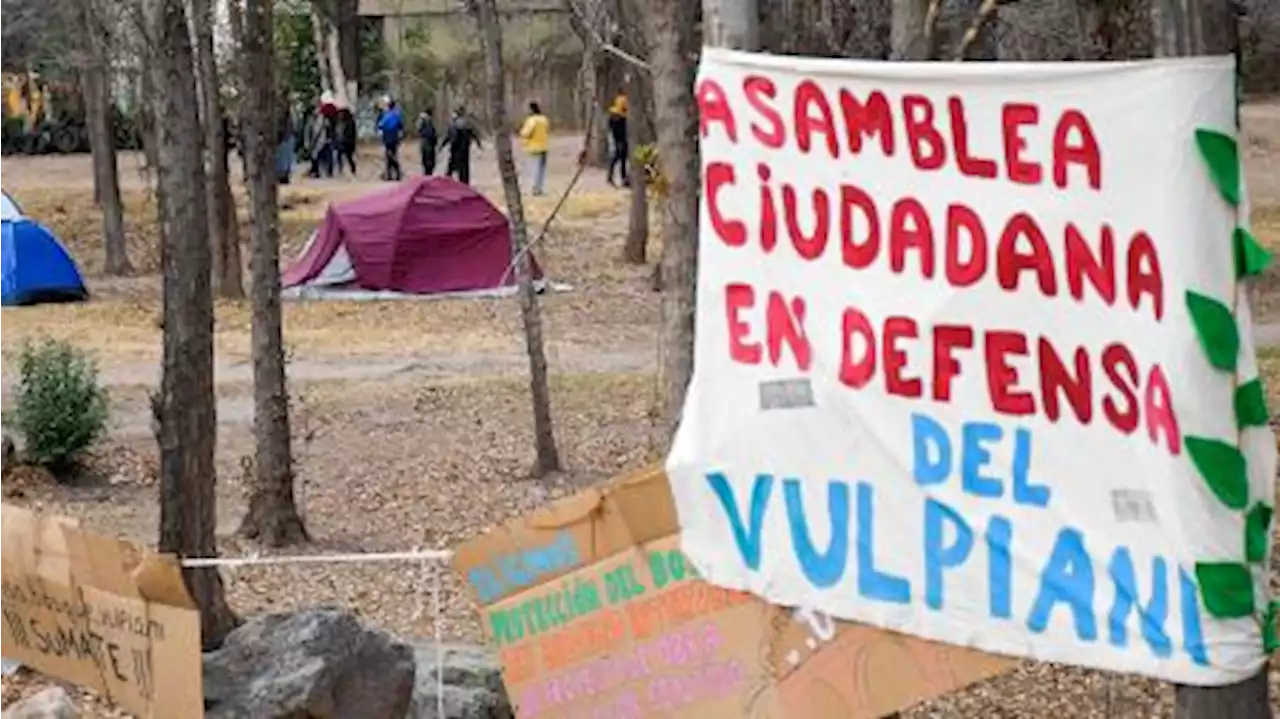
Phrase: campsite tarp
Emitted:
{"points": [[426, 235]]}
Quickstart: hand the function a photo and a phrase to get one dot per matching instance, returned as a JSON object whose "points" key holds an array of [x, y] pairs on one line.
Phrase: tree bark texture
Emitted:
{"points": [[273, 516], [187, 411], [906, 34], [102, 136], [224, 231], [548, 456], [672, 29], [639, 133], [1185, 28]]}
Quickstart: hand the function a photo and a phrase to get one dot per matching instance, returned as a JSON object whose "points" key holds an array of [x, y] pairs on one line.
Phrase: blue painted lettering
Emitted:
{"points": [[873, 583], [821, 569], [931, 453], [749, 538], [974, 457], [939, 552], [1152, 617], [1035, 495], [524, 567], [1000, 566], [1067, 578], [1192, 633]]}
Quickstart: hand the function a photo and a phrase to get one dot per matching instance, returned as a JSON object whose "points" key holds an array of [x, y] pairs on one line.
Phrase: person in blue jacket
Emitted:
{"points": [[391, 127]]}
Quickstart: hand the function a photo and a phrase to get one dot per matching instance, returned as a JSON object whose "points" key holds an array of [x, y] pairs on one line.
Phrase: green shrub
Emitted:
{"points": [[59, 407]]}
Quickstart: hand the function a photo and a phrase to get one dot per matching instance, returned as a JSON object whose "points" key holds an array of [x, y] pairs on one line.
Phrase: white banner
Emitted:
{"points": [[950, 377]]}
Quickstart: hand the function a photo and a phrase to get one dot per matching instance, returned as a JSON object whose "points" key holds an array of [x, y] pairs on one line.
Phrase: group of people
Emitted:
{"points": [[329, 136]]}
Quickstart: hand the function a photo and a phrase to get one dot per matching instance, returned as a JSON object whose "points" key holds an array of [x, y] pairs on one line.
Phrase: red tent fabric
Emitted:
{"points": [[424, 235]]}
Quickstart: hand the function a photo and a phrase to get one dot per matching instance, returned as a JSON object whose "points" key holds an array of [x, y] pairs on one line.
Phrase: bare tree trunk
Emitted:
{"points": [[672, 28], [906, 34], [186, 407], [1184, 28], [273, 516], [224, 231], [639, 133], [318, 27], [102, 136], [548, 456]]}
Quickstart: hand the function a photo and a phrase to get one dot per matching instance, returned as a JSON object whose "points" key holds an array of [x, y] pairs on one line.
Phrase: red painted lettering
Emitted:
{"points": [[732, 232], [1157, 406], [909, 227], [870, 119], [738, 297], [760, 92], [962, 272], [1014, 117], [895, 360], [858, 254], [968, 164], [1121, 408], [1082, 263], [812, 115], [946, 338], [927, 149], [1143, 274], [1002, 378], [1011, 261], [808, 246], [1055, 378], [1074, 144], [785, 321], [856, 372], [713, 107]]}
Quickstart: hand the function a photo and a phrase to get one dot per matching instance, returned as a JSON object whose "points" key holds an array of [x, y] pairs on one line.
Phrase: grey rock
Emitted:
{"points": [[472, 683], [314, 664], [51, 703]]}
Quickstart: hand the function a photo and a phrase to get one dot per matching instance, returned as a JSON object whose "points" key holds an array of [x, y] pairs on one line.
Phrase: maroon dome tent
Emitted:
{"points": [[423, 236]]}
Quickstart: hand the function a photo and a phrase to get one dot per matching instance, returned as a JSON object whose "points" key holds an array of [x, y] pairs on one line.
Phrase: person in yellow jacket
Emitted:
{"points": [[618, 132], [536, 137]]}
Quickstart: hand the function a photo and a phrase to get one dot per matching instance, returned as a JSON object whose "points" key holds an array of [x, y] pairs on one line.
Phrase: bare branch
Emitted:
{"points": [[985, 12], [587, 29]]}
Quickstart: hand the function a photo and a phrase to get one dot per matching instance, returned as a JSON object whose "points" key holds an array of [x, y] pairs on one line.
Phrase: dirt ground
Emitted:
{"points": [[412, 419]]}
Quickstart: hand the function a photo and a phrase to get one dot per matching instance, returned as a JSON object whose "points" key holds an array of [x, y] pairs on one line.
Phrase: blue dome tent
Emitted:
{"points": [[34, 266]]}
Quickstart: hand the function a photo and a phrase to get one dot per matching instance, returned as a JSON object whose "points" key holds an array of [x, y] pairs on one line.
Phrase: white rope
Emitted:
{"points": [[430, 555]]}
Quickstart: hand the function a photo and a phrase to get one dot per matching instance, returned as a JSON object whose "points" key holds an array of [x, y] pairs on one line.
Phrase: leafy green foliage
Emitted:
{"points": [[60, 408]]}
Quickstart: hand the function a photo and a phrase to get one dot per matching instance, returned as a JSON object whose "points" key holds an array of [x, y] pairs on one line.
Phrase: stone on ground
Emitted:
{"points": [[51, 703], [316, 663], [472, 683]]}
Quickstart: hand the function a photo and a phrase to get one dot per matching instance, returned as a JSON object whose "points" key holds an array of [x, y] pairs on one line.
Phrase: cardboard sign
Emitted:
{"points": [[100, 612], [973, 360], [595, 613]]}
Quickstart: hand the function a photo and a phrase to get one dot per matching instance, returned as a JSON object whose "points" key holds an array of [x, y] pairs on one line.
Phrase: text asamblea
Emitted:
{"points": [[1068, 577], [850, 226]]}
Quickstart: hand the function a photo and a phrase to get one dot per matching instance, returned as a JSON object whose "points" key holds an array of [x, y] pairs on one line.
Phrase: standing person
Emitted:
{"points": [[462, 133], [286, 131], [344, 124], [320, 141], [430, 138], [536, 136], [618, 131], [391, 125]]}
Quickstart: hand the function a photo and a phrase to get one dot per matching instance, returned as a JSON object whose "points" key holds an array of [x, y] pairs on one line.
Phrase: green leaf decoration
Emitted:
{"points": [[1227, 589], [1216, 329], [1219, 153], [1223, 468], [1251, 257], [1269, 641], [1251, 404], [1257, 532]]}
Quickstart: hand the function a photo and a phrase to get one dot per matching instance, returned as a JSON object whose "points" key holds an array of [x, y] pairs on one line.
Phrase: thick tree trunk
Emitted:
{"points": [[273, 516], [224, 231], [548, 456], [102, 139], [906, 34], [1184, 28], [186, 407], [672, 28], [639, 132]]}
